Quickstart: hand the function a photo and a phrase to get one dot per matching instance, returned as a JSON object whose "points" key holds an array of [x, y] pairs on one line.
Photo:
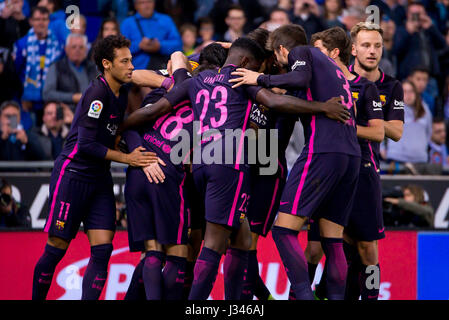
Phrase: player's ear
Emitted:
{"points": [[353, 50], [106, 64], [335, 53]]}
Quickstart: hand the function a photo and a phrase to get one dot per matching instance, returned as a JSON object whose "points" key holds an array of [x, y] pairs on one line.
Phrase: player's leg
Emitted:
{"points": [[370, 270], [174, 271], [97, 269], [100, 225], [314, 251], [54, 251], [206, 266], [285, 235], [66, 206], [152, 270], [236, 262], [353, 290], [194, 247], [136, 289]]}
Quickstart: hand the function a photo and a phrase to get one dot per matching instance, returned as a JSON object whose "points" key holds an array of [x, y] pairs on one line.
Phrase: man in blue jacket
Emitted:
{"points": [[152, 35]]}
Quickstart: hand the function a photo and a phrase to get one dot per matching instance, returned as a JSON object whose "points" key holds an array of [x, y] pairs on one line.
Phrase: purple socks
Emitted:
{"points": [[234, 266], [96, 272], [152, 274], [205, 273], [173, 277], [254, 285], [136, 289], [336, 268], [292, 256], [43, 271]]}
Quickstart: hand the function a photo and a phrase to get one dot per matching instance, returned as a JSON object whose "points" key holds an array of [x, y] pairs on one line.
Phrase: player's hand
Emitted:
{"points": [[334, 109], [154, 172], [247, 77], [225, 45], [392, 200], [141, 158]]}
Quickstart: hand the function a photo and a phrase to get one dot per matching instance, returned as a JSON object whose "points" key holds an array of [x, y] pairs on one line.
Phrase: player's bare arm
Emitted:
{"points": [[394, 129], [147, 78], [373, 132]]}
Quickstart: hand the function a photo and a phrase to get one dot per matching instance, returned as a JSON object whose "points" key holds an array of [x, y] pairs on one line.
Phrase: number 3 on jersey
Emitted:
{"points": [[219, 93]]}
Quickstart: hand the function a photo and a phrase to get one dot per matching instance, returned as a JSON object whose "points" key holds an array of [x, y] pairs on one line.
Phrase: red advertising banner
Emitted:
{"points": [[19, 252]]}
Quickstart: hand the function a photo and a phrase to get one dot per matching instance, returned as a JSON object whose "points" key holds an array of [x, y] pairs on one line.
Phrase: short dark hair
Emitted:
{"points": [[235, 7], [289, 36], [336, 38], [438, 120], [419, 69], [9, 103], [315, 37], [213, 55], [261, 36], [41, 9], [104, 49], [279, 9], [250, 46]]}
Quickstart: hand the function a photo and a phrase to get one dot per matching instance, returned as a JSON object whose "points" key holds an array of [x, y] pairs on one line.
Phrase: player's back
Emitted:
{"points": [[328, 81], [216, 105]]}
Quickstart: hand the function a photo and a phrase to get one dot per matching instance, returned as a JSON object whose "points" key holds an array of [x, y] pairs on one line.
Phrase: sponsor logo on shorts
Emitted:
{"points": [[255, 223], [381, 230], [283, 202], [95, 109]]}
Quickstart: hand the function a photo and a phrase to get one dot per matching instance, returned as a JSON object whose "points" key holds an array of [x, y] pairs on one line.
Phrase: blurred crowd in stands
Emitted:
{"points": [[46, 63]]}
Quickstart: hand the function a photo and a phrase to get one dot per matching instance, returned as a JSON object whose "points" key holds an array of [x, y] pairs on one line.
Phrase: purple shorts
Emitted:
{"points": [[263, 206], [74, 200], [366, 219], [226, 193], [155, 211], [321, 186]]}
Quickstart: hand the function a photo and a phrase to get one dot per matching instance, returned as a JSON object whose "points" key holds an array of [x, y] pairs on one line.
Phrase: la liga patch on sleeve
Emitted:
{"points": [[95, 109]]}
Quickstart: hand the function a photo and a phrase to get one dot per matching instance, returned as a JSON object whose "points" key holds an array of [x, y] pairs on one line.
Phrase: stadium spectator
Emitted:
{"points": [[389, 27], [119, 8], [10, 85], [204, 7], [12, 213], [413, 209], [352, 16], [109, 27], [13, 23], [438, 153], [57, 18], [188, 35], [420, 77], [206, 32], [306, 13], [417, 42], [34, 53], [278, 17], [81, 29], [69, 77], [235, 20], [53, 132], [443, 101], [153, 36], [333, 10], [443, 56], [417, 130], [15, 142], [180, 11], [393, 9]]}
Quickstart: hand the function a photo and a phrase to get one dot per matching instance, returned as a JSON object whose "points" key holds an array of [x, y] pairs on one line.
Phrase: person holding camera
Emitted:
{"points": [[12, 213], [306, 13], [69, 77], [417, 42], [410, 210], [15, 142], [53, 131]]}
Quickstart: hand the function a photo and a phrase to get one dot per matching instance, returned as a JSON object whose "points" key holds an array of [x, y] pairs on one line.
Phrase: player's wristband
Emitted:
{"points": [[167, 83]]}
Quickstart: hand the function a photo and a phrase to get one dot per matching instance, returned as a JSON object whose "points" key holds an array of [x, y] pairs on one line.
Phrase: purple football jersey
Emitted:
{"points": [[368, 105], [321, 78], [99, 112], [219, 110]]}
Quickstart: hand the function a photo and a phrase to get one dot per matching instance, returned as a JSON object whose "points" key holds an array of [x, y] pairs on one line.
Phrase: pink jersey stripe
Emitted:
{"points": [[282, 169], [273, 199], [383, 77], [372, 155], [306, 168], [357, 80], [181, 211], [239, 153], [236, 198], [55, 192]]}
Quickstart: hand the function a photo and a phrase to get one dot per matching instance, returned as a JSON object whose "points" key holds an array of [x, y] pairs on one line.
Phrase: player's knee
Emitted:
{"points": [[314, 252], [368, 252], [58, 243]]}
